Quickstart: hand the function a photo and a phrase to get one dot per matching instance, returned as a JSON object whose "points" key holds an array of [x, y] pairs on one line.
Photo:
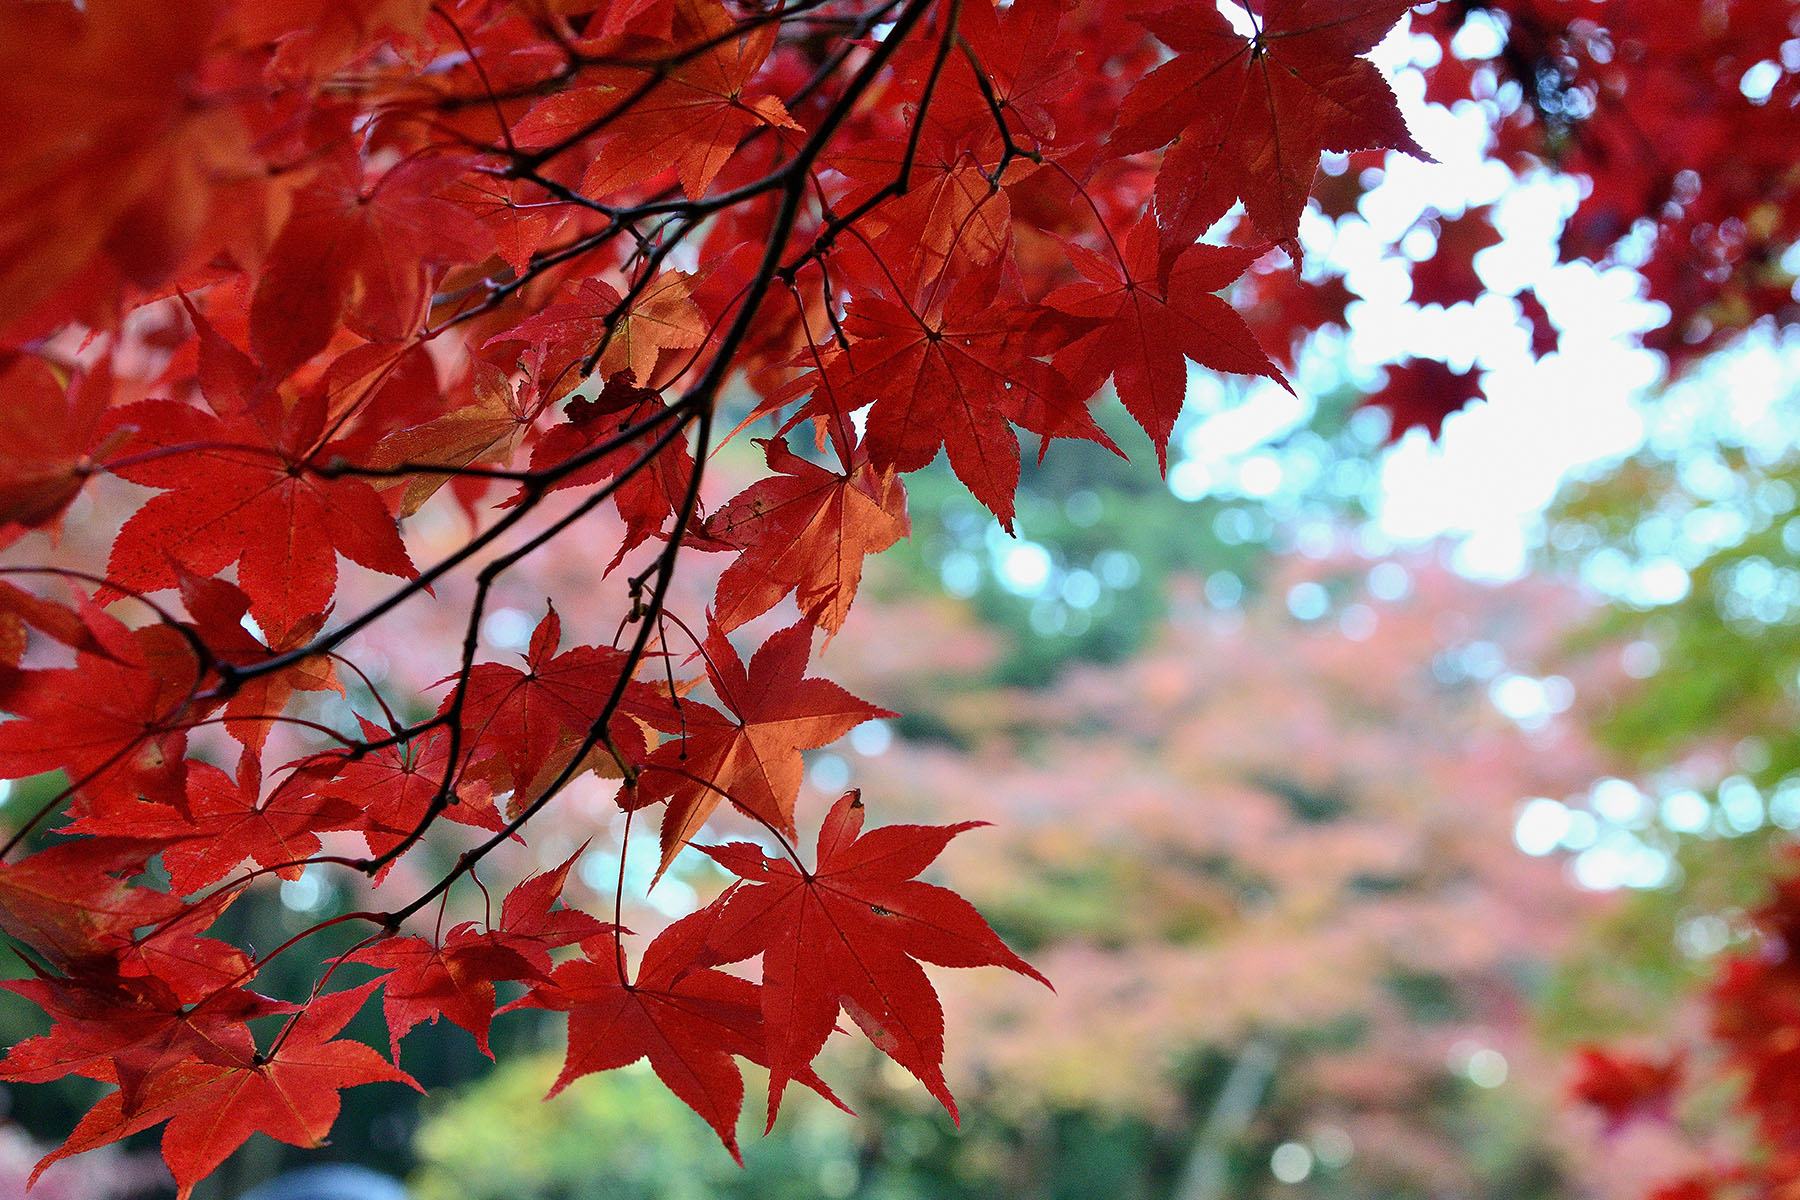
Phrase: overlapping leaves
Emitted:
{"points": [[352, 265]]}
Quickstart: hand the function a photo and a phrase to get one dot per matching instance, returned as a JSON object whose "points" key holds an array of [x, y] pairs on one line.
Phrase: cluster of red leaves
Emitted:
{"points": [[1755, 1008], [1682, 126], [331, 257], [323, 259], [1678, 120]]}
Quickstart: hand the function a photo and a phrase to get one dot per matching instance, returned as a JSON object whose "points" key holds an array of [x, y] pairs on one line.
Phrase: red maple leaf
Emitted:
{"points": [[687, 1022], [289, 1093], [111, 185], [170, 998], [851, 933], [393, 787], [951, 213], [487, 426], [804, 530], [1030, 71], [19, 610], [1448, 276], [1250, 115], [1147, 322], [526, 716], [691, 120], [661, 316], [647, 497], [73, 904], [218, 609], [753, 760], [47, 433], [686, 1018], [239, 486], [116, 721], [359, 251], [455, 977], [224, 821], [532, 923], [1421, 392], [952, 375]]}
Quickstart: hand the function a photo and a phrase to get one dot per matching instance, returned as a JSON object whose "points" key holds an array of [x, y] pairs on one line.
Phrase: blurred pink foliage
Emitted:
{"points": [[103, 1175], [1263, 827]]}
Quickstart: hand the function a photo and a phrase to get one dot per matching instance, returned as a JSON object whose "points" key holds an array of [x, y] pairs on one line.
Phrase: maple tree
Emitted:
{"points": [[321, 263]]}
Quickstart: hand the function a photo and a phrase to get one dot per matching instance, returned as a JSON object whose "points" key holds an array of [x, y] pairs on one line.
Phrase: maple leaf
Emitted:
{"points": [[116, 721], [688, 1022], [1028, 69], [488, 427], [237, 488], [527, 715], [851, 933], [377, 389], [110, 186], [1448, 276], [219, 609], [1251, 115], [662, 316], [392, 788], [171, 998], [455, 977], [646, 497], [951, 211], [753, 761], [316, 37], [687, 1019], [47, 445], [289, 1093], [225, 821], [804, 530], [691, 120], [1149, 320], [19, 610], [359, 252], [72, 902], [231, 821], [1421, 392], [533, 925], [952, 377]]}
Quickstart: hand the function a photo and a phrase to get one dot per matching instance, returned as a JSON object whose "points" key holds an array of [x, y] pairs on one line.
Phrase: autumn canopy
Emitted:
{"points": [[290, 280]]}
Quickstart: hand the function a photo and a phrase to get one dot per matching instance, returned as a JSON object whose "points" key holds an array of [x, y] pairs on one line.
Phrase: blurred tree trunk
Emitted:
{"points": [[1208, 1164]]}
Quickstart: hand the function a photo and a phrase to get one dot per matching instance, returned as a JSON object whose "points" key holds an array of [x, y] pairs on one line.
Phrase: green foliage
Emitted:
{"points": [[1697, 539], [623, 1136], [1111, 537]]}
